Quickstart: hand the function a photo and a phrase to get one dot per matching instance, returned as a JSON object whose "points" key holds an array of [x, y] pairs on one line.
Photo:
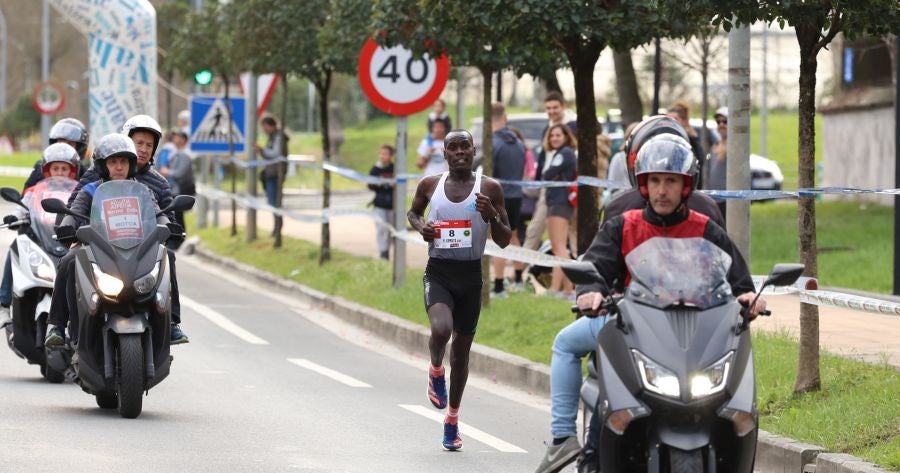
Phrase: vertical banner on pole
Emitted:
{"points": [[401, 84]]}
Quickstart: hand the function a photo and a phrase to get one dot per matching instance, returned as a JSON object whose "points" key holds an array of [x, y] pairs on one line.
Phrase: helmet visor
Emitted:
{"points": [[68, 132], [665, 157]]}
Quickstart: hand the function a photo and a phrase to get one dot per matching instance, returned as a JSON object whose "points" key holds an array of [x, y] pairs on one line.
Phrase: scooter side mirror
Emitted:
{"points": [[11, 195], [784, 274], [55, 206], [581, 273], [181, 203]]}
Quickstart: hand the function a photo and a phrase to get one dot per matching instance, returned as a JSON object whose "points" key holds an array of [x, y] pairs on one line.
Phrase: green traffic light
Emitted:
{"points": [[203, 77]]}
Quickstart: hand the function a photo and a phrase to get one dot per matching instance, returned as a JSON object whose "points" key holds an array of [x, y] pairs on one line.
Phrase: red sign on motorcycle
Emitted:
{"points": [[123, 218]]}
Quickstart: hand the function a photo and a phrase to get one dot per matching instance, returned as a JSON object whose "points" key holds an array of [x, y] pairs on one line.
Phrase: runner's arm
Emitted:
{"points": [[416, 212], [491, 206]]}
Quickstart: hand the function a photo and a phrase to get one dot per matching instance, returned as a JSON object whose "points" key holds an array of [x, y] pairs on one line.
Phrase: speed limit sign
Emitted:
{"points": [[399, 83], [48, 98]]}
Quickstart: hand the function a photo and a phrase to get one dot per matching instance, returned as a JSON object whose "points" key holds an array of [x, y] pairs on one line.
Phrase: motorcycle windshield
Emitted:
{"points": [[122, 213], [681, 271], [42, 222]]}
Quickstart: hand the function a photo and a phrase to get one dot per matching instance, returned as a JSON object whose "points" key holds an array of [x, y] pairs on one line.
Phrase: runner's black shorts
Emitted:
{"points": [[457, 284], [514, 212]]}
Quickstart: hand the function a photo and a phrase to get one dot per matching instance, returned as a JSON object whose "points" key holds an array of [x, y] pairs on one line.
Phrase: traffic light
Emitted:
{"points": [[203, 77]]}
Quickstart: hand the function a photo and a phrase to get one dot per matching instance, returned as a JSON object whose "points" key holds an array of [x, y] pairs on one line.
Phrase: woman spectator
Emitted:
{"points": [[560, 145]]}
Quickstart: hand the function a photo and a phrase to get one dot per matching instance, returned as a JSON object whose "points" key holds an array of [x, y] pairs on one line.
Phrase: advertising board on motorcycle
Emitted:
{"points": [[123, 218]]}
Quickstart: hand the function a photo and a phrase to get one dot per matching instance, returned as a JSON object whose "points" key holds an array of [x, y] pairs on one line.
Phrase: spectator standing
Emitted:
{"points": [[560, 145], [384, 198], [165, 152], [439, 114], [271, 179], [431, 150], [681, 112], [508, 153], [555, 107], [180, 172], [718, 157]]}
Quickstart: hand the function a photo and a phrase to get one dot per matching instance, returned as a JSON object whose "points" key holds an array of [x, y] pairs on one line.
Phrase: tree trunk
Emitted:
{"points": [[279, 221], [582, 59], [551, 82], [169, 78], [487, 168], [627, 88], [808, 364], [323, 84]]}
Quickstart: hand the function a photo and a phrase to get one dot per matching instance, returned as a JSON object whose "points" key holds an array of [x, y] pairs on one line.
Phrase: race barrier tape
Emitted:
{"points": [[536, 258], [355, 175]]}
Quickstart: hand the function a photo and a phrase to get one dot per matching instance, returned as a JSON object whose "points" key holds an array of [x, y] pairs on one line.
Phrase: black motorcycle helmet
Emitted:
{"points": [[113, 145], [647, 129], [70, 129], [670, 154]]}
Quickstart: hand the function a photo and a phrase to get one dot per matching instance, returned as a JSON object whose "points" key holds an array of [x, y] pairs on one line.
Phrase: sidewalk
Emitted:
{"points": [[855, 334]]}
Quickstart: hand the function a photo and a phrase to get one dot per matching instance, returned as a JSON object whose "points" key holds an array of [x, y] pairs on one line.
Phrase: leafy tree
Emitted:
{"points": [[816, 23], [205, 41], [170, 18], [21, 119], [581, 29]]}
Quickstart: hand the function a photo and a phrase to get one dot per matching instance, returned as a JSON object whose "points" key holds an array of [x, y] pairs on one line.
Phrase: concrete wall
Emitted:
{"points": [[858, 151]]}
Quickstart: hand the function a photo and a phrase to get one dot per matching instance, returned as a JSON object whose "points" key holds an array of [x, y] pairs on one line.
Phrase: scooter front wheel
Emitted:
{"points": [[681, 461], [131, 375]]}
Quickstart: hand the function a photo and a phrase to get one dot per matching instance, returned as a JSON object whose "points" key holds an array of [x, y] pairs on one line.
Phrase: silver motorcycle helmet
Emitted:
{"points": [[113, 145], [60, 153], [71, 130], [144, 123]]}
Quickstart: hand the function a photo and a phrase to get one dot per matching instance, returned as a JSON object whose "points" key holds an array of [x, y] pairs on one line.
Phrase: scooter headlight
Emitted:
{"points": [[40, 267], [655, 377], [110, 286], [712, 379], [146, 283]]}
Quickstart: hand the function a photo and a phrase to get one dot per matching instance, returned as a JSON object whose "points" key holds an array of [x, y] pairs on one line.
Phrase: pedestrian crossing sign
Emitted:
{"points": [[210, 128]]}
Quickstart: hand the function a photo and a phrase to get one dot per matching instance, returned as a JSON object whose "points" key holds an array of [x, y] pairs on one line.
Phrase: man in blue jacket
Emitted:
{"points": [[508, 154]]}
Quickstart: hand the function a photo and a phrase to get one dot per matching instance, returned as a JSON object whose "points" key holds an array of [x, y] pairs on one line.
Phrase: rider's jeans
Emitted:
{"points": [[571, 345]]}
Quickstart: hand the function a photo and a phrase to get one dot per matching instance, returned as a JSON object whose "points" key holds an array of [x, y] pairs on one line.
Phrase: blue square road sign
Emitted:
{"points": [[210, 130]]}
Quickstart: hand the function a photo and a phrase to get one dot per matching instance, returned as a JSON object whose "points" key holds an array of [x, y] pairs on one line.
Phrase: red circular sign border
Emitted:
{"points": [[394, 108], [34, 102]]}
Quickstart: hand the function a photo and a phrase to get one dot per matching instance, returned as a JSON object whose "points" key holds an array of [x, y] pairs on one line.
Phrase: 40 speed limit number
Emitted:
{"points": [[399, 83]]}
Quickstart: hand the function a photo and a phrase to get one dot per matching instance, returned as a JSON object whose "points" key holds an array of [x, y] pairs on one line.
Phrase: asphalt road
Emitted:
{"points": [[267, 383]]}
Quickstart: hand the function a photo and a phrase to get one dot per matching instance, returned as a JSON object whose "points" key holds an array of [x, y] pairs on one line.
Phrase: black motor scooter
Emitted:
{"points": [[123, 296], [673, 380]]}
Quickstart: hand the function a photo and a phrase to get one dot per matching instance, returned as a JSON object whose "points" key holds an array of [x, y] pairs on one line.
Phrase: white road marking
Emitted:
{"points": [[222, 321], [335, 375], [466, 430]]}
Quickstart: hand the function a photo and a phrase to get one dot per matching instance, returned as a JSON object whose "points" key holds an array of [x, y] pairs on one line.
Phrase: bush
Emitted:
{"points": [[21, 119]]}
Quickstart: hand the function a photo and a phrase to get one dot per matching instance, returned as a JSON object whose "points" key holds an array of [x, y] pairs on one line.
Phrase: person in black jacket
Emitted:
{"points": [[666, 172], [114, 159], [384, 198]]}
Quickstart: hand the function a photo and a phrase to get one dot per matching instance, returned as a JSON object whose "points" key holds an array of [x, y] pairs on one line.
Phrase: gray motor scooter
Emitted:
{"points": [[672, 381], [123, 295]]}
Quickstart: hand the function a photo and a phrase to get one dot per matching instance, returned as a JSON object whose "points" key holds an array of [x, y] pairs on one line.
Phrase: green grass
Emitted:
{"points": [[782, 142], [856, 412], [23, 159], [855, 242]]}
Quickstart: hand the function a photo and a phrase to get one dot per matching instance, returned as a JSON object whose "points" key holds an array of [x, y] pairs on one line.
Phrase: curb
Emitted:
{"points": [[774, 454]]}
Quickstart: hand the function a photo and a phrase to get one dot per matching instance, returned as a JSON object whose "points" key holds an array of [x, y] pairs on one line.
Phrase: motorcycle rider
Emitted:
{"points": [[59, 159], [71, 132], [666, 172], [578, 339], [115, 158], [146, 134]]}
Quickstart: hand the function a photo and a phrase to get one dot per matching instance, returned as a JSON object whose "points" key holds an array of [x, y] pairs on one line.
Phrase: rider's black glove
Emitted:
{"points": [[9, 219], [176, 232], [65, 234]]}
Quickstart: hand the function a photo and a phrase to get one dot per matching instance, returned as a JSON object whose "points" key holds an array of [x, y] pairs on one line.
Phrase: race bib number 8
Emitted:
{"points": [[452, 233]]}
